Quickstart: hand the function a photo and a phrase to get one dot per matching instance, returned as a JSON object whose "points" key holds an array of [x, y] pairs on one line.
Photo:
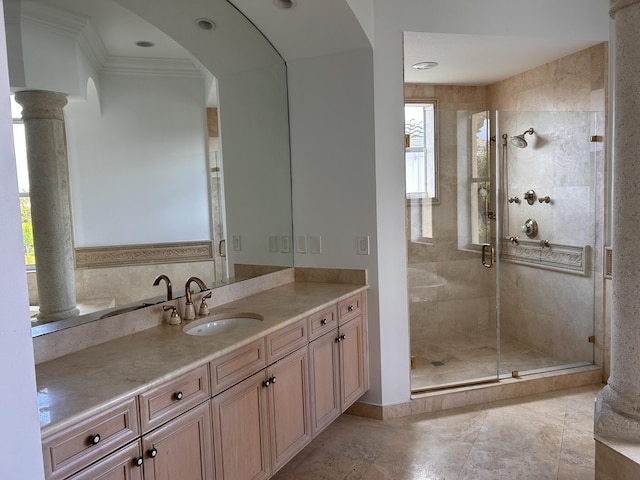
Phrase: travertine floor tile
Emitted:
{"points": [[540, 437]]}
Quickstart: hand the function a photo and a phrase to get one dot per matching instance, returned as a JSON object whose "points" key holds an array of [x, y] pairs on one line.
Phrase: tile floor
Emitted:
{"points": [[540, 437], [472, 356]]}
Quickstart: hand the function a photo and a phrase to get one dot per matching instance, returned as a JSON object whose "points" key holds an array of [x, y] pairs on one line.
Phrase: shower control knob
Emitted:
{"points": [[514, 200], [546, 199], [530, 196], [530, 228]]}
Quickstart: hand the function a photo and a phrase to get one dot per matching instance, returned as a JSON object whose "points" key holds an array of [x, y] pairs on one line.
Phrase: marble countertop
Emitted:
{"points": [[78, 385]]}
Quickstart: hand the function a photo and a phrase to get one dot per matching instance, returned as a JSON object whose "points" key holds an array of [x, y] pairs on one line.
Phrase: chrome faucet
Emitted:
{"points": [[156, 282], [189, 311]]}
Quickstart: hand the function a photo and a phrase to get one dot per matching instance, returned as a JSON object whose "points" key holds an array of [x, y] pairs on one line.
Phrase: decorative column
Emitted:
{"points": [[617, 413], [50, 211]]}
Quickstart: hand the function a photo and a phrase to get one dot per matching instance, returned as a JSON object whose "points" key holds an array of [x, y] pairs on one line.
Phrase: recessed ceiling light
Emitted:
{"points": [[145, 43], [206, 24], [284, 3], [424, 65]]}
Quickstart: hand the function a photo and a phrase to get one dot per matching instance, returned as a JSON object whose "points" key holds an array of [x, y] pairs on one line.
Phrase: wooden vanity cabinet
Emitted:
{"points": [[125, 464], [242, 416], [181, 449], [81, 444], [262, 422], [338, 363]]}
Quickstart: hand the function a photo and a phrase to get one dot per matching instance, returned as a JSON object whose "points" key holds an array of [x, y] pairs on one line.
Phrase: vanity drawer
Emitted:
{"points": [[79, 445], [350, 308], [174, 397], [322, 322], [237, 365], [286, 340]]}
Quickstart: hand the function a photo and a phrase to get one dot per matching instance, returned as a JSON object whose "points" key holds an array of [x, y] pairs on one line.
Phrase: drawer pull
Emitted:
{"points": [[94, 439], [323, 321], [153, 452], [137, 461], [350, 308], [179, 396]]}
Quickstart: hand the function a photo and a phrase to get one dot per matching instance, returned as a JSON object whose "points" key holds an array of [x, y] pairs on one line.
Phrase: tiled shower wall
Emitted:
{"points": [[564, 101]]}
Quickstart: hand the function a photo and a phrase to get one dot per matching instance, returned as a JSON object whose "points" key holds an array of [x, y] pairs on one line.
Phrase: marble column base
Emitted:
{"points": [[616, 460], [46, 317], [616, 417]]}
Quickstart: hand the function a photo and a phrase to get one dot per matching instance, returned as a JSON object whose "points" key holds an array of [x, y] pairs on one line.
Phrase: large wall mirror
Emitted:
{"points": [[176, 131]]}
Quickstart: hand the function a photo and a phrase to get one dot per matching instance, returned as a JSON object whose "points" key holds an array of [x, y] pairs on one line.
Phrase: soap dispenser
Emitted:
{"points": [[204, 308], [174, 318]]}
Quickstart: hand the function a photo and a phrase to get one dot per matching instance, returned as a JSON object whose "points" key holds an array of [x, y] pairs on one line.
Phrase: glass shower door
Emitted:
{"points": [[451, 293], [546, 293]]}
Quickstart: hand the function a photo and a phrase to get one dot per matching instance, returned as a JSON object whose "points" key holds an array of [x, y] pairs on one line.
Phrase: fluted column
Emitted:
{"points": [[49, 194], [617, 413]]}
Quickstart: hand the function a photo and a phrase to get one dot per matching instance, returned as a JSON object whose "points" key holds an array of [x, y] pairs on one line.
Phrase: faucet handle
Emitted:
{"points": [[204, 308], [174, 318]]}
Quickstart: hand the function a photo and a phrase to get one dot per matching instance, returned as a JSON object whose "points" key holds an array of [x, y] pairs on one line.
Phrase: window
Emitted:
{"points": [[421, 167], [420, 149], [20, 147], [479, 179]]}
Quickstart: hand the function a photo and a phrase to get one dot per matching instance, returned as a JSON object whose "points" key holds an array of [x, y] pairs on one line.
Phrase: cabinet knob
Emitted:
{"points": [[350, 308], [137, 461], [94, 439], [179, 396], [323, 321], [343, 337], [273, 379], [153, 452], [339, 339], [266, 383]]}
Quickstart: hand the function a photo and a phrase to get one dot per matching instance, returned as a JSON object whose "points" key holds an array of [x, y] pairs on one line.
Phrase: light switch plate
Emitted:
{"points": [[285, 243], [301, 244], [273, 244], [235, 241], [363, 245], [315, 244]]}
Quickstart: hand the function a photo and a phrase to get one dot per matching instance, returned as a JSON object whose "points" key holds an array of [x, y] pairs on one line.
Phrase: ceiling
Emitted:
{"points": [[463, 59], [479, 59]]}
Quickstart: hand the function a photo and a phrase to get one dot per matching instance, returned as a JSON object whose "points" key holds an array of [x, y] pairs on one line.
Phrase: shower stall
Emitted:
{"points": [[504, 241]]}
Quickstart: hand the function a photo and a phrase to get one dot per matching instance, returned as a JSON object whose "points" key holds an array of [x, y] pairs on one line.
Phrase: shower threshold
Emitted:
{"points": [[497, 379]]}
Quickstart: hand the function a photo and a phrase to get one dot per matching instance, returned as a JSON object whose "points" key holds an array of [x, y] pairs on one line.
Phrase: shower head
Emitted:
{"points": [[519, 141]]}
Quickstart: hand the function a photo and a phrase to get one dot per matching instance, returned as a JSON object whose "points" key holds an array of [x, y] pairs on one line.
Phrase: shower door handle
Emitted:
{"points": [[491, 257]]}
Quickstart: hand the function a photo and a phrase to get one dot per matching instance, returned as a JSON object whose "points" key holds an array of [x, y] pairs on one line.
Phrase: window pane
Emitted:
{"points": [[20, 148], [479, 152], [420, 155]]}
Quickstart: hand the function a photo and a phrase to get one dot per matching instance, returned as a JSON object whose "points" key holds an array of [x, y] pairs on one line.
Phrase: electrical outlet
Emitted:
{"points": [[363, 245], [315, 244]]}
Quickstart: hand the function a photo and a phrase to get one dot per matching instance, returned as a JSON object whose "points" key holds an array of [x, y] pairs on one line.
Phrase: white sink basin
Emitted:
{"points": [[222, 324]]}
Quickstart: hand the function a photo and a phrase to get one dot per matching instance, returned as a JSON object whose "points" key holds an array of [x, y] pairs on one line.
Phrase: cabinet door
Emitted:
{"points": [[352, 358], [289, 416], [181, 449], [121, 465], [325, 381], [240, 431]]}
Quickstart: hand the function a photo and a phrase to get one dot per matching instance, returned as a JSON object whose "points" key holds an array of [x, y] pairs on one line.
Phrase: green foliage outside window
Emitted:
{"points": [[27, 231]]}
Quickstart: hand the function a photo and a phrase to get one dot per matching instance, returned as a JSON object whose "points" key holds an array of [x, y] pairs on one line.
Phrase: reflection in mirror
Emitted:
{"points": [[177, 153]]}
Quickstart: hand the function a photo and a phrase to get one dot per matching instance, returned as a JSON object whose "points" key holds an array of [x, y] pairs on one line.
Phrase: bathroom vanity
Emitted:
{"points": [[164, 404]]}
